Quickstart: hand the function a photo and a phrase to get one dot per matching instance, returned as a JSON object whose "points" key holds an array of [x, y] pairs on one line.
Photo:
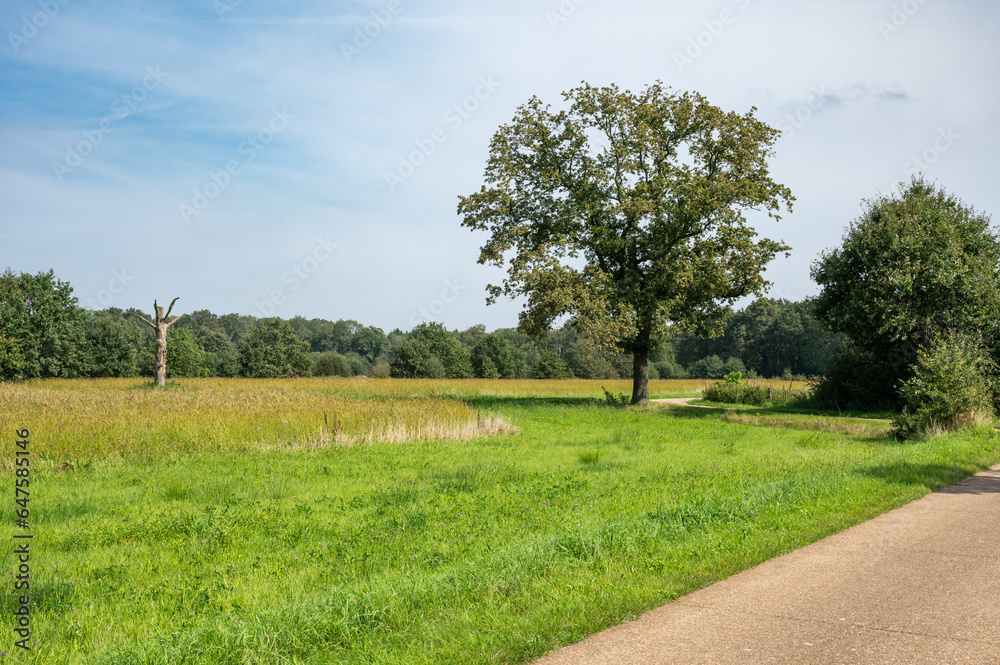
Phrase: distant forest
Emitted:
{"points": [[44, 333]]}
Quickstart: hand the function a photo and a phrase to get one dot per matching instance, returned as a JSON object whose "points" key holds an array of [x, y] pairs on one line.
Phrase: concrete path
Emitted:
{"points": [[919, 584]]}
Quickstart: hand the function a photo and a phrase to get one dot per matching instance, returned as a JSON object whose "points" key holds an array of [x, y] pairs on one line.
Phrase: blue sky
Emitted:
{"points": [[305, 158]]}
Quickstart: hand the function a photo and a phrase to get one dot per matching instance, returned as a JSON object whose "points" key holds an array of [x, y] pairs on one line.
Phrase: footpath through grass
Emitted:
{"points": [[493, 550]]}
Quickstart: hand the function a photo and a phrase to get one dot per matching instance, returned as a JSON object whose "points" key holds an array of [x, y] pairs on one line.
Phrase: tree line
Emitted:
{"points": [[44, 333]]}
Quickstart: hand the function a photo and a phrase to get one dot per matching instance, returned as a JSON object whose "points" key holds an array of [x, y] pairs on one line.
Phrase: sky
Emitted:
{"points": [[306, 159]]}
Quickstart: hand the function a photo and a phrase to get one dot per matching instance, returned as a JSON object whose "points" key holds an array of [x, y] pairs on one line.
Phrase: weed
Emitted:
{"points": [[619, 400]]}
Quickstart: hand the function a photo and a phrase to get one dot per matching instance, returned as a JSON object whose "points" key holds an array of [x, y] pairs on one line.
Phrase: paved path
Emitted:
{"points": [[919, 584], [679, 401]]}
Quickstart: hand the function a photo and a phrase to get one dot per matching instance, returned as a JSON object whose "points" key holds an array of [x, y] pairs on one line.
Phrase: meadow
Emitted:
{"points": [[412, 521]]}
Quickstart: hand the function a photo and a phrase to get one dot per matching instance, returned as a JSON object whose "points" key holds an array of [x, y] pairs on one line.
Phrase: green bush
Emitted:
{"points": [[611, 399], [729, 392], [734, 390], [949, 388]]}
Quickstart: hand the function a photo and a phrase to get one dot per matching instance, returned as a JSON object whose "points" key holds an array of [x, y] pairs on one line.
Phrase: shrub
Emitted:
{"points": [[735, 392], [949, 387], [380, 370], [611, 399], [586, 362], [10, 358]]}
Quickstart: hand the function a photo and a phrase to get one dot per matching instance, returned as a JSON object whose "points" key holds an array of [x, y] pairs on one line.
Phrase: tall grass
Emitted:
{"points": [[80, 422]]}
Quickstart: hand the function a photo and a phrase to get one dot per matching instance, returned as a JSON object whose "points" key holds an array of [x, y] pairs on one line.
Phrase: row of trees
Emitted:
{"points": [[44, 333]]}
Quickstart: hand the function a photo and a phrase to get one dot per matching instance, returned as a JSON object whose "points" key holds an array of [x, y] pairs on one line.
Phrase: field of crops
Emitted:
{"points": [[353, 521]]}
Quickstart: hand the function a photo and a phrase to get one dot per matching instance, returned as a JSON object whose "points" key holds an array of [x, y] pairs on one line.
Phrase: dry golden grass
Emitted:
{"points": [[78, 421]]}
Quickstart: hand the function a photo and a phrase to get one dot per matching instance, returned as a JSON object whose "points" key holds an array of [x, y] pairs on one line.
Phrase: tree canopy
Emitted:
{"points": [[912, 268], [432, 352], [41, 327], [625, 212], [272, 351]]}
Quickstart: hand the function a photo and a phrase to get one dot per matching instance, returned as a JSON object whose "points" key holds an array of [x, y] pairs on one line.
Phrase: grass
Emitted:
{"points": [[492, 549], [124, 419], [798, 409]]}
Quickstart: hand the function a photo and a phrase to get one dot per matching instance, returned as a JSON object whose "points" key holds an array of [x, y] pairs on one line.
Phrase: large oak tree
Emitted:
{"points": [[626, 212]]}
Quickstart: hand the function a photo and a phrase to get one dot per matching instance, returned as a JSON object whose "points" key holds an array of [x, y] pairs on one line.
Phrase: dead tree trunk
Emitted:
{"points": [[161, 327]]}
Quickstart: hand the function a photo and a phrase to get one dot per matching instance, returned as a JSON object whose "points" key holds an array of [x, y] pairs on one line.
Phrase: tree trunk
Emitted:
{"points": [[160, 371], [640, 367], [161, 326]]}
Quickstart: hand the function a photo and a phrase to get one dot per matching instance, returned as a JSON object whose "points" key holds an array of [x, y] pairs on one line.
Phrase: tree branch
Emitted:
{"points": [[148, 322], [171, 308], [179, 317]]}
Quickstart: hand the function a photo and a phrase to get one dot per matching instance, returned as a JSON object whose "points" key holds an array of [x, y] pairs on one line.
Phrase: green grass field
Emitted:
{"points": [[248, 522]]}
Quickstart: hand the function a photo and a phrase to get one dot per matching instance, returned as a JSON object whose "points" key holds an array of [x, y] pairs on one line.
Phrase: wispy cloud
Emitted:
{"points": [[870, 107]]}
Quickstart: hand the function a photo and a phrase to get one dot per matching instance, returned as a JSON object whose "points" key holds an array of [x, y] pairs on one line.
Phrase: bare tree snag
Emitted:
{"points": [[161, 327]]}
